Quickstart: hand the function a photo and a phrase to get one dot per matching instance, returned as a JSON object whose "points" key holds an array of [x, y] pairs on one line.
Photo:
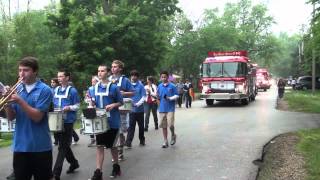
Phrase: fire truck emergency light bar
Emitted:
{"points": [[227, 53]]}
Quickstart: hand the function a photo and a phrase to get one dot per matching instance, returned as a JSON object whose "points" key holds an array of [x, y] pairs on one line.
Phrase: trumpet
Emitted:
{"points": [[4, 100]]}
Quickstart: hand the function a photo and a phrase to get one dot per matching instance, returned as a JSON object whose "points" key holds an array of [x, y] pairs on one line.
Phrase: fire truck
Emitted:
{"points": [[227, 76], [263, 79]]}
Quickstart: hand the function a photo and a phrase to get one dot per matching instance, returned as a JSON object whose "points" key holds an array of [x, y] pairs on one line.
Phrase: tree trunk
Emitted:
{"points": [[106, 6], [28, 5], [9, 10]]}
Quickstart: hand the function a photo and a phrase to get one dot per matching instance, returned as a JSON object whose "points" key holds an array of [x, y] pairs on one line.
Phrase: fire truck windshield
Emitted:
{"points": [[224, 69]]}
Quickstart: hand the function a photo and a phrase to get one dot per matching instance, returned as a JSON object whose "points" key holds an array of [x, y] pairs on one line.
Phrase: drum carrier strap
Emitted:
{"points": [[61, 96], [119, 80], [101, 94]]}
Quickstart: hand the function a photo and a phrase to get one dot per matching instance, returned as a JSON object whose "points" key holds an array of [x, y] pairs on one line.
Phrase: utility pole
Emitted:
{"points": [[313, 57]]}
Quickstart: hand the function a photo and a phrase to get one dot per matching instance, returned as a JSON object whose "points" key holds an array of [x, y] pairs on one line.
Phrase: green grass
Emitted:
{"points": [[6, 139], [303, 101], [309, 145]]}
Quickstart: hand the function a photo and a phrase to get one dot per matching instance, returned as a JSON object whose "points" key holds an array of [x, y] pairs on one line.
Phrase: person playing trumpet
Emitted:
{"points": [[29, 105]]}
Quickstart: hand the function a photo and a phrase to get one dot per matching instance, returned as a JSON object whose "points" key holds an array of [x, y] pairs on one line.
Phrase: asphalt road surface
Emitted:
{"points": [[218, 142]]}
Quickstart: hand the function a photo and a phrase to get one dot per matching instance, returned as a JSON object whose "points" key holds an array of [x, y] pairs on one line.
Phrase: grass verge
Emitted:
{"points": [[303, 101], [309, 146], [6, 139]]}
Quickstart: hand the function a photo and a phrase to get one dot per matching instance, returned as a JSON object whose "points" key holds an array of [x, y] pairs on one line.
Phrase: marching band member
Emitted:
{"points": [[54, 83], [66, 98], [126, 91], [137, 113], [91, 103], [32, 142], [107, 96]]}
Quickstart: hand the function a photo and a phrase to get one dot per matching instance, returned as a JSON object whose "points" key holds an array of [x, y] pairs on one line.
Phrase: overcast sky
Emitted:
{"points": [[289, 14]]}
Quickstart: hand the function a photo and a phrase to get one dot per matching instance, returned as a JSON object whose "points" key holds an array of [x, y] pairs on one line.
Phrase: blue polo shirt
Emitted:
{"points": [[114, 96], [169, 90], [124, 85], [139, 93], [30, 136], [71, 99]]}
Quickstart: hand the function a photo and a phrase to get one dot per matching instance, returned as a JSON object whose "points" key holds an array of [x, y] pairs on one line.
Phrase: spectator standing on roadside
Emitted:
{"points": [[281, 85]]}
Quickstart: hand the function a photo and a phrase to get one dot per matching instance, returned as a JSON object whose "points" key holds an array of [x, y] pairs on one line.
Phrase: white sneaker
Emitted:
{"points": [[165, 145]]}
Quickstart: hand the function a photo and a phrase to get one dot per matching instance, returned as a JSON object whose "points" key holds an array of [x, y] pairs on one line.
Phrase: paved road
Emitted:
{"points": [[218, 142]]}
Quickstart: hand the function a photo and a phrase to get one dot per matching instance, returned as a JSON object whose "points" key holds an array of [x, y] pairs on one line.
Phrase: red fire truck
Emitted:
{"points": [[227, 76], [263, 79]]}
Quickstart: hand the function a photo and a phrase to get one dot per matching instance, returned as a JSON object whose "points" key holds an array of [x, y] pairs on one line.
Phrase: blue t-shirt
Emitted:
{"points": [[168, 90], [113, 96], [123, 83], [139, 93], [30, 136], [68, 97]]}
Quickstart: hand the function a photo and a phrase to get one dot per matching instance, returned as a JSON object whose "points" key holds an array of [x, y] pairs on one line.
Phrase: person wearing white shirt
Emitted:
{"points": [[151, 103]]}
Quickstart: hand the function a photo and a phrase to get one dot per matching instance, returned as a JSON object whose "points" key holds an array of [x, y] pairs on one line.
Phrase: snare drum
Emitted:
{"points": [[97, 125], [127, 105], [6, 125], [56, 121]]}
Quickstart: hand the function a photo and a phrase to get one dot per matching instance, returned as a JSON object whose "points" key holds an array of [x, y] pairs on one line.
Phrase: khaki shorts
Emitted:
{"points": [[166, 119]]}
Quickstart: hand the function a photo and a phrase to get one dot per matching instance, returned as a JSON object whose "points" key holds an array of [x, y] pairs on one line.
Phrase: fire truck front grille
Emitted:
{"points": [[223, 91]]}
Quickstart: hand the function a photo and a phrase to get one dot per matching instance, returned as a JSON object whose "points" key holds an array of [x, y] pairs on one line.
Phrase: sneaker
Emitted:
{"points": [[116, 171], [76, 139], [165, 145], [142, 143], [173, 139], [73, 167], [56, 177], [129, 146], [121, 157], [97, 175]]}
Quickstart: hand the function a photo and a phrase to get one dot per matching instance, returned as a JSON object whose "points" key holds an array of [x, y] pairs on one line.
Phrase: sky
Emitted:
{"points": [[289, 14]]}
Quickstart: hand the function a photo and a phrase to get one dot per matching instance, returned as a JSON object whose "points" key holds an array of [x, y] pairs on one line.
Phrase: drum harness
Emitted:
{"points": [[101, 94], [61, 96]]}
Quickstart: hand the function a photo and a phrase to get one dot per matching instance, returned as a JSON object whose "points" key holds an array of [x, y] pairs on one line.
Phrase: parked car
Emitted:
{"points": [[305, 82]]}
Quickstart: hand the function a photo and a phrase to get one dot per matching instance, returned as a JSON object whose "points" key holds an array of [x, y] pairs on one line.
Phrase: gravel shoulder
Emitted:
{"points": [[280, 159]]}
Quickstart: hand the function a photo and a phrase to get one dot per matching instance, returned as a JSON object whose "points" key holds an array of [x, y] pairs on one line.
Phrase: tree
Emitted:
{"points": [[240, 27], [100, 31], [26, 35]]}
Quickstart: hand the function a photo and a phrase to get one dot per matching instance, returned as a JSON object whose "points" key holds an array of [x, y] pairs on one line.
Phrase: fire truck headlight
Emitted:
{"points": [[205, 88], [239, 88]]}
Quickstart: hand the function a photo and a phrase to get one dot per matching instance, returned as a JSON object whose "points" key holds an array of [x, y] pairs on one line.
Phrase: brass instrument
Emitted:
{"points": [[4, 100]]}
